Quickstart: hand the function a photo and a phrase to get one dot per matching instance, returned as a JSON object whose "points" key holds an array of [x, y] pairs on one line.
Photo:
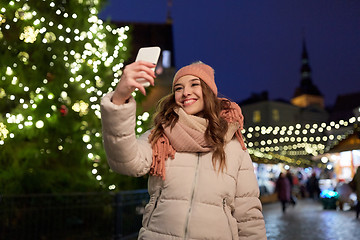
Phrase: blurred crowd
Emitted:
{"points": [[289, 186]]}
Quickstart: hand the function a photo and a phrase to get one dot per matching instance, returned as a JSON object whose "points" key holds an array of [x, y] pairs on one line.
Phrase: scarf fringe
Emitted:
{"points": [[162, 149], [240, 139], [234, 114]]}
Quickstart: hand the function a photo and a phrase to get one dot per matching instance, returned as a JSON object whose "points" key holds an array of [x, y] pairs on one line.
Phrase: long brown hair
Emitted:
{"points": [[215, 131]]}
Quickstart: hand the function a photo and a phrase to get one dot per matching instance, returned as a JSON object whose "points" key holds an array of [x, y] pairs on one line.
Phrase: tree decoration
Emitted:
{"points": [[57, 60]]}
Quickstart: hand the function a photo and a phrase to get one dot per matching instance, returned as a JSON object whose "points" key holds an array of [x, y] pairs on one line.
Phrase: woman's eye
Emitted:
{"points": [[195, 84], [177, 89]]}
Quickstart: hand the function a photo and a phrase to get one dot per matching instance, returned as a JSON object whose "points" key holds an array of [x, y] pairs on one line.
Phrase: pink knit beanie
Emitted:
{"points": [[200, 70]]}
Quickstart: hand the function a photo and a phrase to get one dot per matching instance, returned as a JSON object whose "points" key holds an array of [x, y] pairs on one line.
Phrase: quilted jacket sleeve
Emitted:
{"points": [[248, 208], [125, 154]]}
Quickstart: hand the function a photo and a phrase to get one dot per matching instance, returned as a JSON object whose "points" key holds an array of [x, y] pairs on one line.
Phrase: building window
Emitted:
{"points": [[275, 115], [166, 58], [256, 116]]}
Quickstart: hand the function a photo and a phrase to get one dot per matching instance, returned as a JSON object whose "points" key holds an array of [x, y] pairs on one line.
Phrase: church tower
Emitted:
{"points": [[307, 93]]}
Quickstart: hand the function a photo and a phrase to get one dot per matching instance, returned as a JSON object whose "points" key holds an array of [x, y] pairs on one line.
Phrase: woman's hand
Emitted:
{"points": [[128, 83]]}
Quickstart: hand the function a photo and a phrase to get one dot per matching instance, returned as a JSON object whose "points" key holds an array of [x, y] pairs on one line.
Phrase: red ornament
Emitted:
{"points": [[63, 110], [50, 77]]}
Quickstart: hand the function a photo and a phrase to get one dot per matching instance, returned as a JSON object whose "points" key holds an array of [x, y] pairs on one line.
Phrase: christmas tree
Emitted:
{"points": [[57, 60]]}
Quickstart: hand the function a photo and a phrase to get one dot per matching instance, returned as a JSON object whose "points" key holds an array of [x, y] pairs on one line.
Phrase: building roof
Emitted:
{"points": [[344, 106], [352, 142], [149, 34]]}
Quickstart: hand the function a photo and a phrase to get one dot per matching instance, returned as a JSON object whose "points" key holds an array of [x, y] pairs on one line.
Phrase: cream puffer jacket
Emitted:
{"points": [[194, 201]]}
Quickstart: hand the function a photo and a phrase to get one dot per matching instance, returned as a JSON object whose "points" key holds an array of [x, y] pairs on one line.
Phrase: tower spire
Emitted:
{"points": [[168, 15], [307, 93], [305, 69]]}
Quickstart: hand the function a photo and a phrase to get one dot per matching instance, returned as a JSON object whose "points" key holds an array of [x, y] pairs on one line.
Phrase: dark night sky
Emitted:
{"points": [[256, 45]]}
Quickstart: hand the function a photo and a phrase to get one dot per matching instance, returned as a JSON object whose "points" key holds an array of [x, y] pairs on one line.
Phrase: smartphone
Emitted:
{"points": [[149, 54]]}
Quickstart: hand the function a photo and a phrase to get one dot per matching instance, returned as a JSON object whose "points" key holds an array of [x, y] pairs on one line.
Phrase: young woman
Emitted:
{"points": [[202, 183]]}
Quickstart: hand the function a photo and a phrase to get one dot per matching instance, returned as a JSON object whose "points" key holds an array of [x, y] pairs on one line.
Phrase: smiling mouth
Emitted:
{"points": [[189, 102]]}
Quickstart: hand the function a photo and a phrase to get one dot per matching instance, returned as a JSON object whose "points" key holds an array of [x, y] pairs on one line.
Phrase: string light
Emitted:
{"points": [[263, 139]]}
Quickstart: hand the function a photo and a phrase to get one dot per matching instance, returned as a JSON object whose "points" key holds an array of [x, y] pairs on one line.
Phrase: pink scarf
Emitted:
{"points": [[188, 135]]}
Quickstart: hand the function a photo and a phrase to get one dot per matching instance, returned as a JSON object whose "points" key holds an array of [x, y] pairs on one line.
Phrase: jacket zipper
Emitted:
{"points": [[226, 215], [153, 210], [192, 197]]}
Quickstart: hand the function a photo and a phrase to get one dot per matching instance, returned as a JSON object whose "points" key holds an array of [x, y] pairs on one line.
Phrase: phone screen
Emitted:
{"points": [[148, 54]]}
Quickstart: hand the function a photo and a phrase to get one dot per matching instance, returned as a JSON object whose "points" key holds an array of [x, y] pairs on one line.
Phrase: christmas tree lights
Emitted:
{"points": [[58, 60]]}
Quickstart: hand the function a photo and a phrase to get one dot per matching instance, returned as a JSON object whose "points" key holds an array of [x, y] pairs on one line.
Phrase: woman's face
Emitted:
{"points": [[189, 95]]}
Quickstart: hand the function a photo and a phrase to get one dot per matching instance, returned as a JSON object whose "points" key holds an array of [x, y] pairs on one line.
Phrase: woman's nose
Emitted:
{"points": [[186, 91]]}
